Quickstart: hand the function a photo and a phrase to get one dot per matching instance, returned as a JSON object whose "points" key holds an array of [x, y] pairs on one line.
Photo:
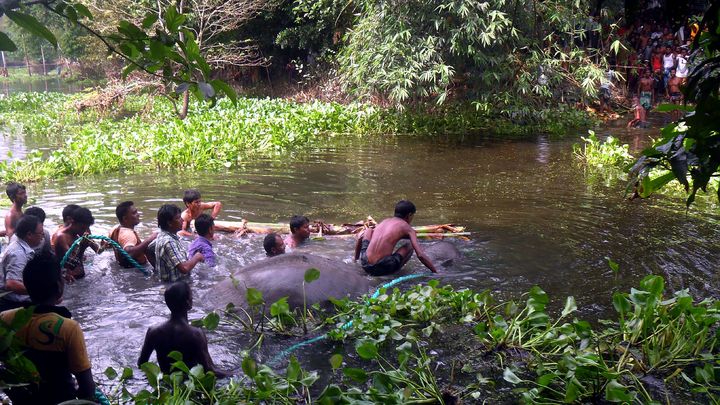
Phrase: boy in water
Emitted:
{"points": [[67, 220], [375, 247], [176, 334], [299, 231], [125, 235], [194, 207], [82, 220], [18, 196], [204, 225], [171, 261]]}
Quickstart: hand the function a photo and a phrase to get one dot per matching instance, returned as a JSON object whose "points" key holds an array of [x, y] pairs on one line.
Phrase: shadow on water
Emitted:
{"points": [[535, 220]]}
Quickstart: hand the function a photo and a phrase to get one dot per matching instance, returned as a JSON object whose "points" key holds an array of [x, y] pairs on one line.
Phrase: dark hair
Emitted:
{"points": [[42, 278], [270, 242], [404, 208], [297, 221], [176, 296], [82, 216], [26, 225], [203, 224], [68, 210], [36, 212], [165, 215], [122, 209], [190, 196], [12, 189]]}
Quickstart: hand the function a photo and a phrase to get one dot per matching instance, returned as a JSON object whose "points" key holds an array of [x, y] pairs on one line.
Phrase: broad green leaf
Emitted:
{"points": [[149, 20], [110, 373], [173, 19], [83, 11], [312, 275], [211, 321], [254, 297], [336, 361], [613, 266], [32, 25], [6, 44], [367, 349], [280, 307], [570, 306], [357, 374], [616, 392], [219, 86], [249, 367], [293, 370]]}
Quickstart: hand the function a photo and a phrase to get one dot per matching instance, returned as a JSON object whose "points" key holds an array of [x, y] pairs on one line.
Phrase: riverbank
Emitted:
{"points": [[142, 132]]}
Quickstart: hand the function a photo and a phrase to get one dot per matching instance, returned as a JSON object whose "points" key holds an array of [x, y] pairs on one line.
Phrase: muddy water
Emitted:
{"points": [[536, 219]]}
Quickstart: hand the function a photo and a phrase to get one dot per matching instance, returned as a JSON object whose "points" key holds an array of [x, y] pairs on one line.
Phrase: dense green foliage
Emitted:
{"points": [[213, 138], [689, 149], [546, 359], [607, 153]]}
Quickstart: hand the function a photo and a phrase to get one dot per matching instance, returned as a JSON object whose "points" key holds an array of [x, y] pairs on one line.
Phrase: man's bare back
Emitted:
{"points": [[385, 236]]}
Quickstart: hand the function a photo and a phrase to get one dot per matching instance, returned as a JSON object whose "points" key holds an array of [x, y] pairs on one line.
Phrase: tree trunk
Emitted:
{"points": [[185, 104], [42, 54]]}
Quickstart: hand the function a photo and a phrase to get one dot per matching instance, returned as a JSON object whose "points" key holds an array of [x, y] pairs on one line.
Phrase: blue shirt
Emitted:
{"points": [[202, 245]]}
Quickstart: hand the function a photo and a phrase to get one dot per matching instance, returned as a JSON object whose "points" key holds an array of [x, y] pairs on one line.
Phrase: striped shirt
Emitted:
{"points": [[169, 253]]}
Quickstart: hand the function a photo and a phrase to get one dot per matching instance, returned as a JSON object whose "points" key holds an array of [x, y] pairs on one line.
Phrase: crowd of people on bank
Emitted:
{"points": [[36, 266]]}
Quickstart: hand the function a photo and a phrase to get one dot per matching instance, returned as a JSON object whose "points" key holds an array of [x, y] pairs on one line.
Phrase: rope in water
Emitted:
{"points": [[346, 325], [114, 244], [101, 398]]}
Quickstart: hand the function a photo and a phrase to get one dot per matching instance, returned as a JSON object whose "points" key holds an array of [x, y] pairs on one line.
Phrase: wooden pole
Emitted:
{"points": [[27, 62], [4, 71]]}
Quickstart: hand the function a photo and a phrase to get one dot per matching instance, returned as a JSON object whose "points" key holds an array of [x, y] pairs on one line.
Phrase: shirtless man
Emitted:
{"points": [[299, 231], [676, 96], [82, 219], [125, 235], [176, 334], [18, 196], [375, 247], [645, 91], [67, 221], [194, 207]]}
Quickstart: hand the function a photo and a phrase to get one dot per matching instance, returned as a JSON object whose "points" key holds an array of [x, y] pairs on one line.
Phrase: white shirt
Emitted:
{"points": [[668, 61], [682, 68]]}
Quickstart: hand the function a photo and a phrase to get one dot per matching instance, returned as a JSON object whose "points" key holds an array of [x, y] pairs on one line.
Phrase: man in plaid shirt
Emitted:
{"points": [[171, 262]]}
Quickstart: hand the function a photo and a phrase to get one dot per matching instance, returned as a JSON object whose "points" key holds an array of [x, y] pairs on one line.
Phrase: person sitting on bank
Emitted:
{"points": [[54, 341], [125, 235], [18, 197], [39, 213], [205, 227], [28, 236], [170, 260], [194, 206], [273, 244], [176, 334], [375, 246], [299, 231], [82, 220]]}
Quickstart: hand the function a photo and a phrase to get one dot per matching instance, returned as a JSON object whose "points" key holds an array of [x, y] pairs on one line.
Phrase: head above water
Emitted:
{"points": [[404, 208], [27, 230], [82, 220], [36, 212], [297, 222], [127, 214], [191, 196], [178, 297], [16, 191], [166, 215], [67, 212], [273, 244], [43, 280], [204, 225]]}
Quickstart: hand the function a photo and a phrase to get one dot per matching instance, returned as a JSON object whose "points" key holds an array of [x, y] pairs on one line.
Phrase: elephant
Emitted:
{"points": [[283, 276]]}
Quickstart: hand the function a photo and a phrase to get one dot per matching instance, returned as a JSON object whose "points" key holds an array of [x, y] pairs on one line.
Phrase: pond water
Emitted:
{"points": [[536, 219]]}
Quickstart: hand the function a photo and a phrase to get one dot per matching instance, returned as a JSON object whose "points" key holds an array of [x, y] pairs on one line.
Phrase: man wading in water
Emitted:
{"points": [[375, 247]]}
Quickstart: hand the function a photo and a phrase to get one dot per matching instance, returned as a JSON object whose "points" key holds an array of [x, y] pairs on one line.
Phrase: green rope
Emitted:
{"points": [[347, 325], [101, 398], [114, 244]]}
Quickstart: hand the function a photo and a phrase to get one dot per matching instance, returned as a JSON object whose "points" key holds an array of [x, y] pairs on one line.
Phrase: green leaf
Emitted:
{"points": [[127, 374], [110, 373], [254, 297], [312, 275], [157, 50], [616, 392], [621, 303], [613, 266], [367, 349], [211, 321], [83, 11], [293, 370], [357, 374], [32, 25], [149, 20], [249, 367], [570, 306], [221, 86], [6, 44], [510, 377], [336, 361], [152, 372], [280, 307], [173, 19]]}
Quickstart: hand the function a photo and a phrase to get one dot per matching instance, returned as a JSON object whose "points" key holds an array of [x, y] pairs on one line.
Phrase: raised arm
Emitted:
{"points": [[419, 252], [216, 207], [139, 250]]}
